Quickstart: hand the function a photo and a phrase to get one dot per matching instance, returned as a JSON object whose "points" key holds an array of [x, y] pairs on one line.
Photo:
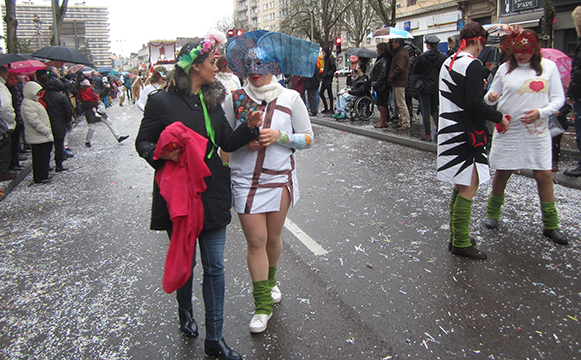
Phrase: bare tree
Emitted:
{"points": [[360, 19], [327, 15], [61, 11], [385, 9], [224, 24], [11, 25]]}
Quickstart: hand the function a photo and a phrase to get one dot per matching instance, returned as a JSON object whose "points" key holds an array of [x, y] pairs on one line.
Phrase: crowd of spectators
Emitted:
{"points": [[37, 112]]}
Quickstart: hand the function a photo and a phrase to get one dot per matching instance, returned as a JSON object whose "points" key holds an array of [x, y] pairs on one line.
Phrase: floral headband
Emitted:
{"points": [[520, 41], [212, 42]]}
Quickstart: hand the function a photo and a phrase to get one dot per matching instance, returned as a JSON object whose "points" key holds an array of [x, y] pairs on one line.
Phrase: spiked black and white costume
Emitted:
{"points": [[462, 108]]}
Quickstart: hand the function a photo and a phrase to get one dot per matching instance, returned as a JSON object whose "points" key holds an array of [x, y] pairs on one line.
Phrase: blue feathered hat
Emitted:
{"points": [[266, 52]]}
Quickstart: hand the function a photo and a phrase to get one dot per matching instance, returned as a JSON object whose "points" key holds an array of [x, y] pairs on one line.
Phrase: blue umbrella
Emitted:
{"points": [[107, 70], [391, 33]]}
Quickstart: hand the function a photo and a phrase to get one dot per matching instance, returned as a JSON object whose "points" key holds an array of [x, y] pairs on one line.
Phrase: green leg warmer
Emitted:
{"points": [[455, 193], [461, 222], [550, 217], [493, 206], [262, 300], [272, 276]]}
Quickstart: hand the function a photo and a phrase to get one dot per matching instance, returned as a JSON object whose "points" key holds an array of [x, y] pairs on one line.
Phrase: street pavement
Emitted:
{"points": [[365, 271]]}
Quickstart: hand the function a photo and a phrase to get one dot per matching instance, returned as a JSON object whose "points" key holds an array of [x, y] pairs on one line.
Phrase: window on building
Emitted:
{"points": [[411, 2]]}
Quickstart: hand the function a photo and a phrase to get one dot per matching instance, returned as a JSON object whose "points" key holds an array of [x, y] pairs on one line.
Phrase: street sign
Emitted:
{"points": [[460, 24]]}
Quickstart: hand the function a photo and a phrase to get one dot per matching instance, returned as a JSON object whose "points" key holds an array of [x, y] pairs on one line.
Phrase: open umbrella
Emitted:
{"points": [[108, 71], [10, 58], [361, 52], [564, 63], [391, 33], [62, 53], [27, 66]]}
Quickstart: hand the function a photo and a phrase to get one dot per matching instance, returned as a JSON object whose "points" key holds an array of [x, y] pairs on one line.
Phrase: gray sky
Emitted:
{"points": [[133, 23]]}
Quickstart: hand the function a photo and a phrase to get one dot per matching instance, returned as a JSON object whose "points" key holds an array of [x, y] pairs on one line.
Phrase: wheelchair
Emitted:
{"points": [[360, 108]]}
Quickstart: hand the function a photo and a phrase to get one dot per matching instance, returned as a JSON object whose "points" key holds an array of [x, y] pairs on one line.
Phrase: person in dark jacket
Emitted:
{"points": [[327, 80], [429, 65], [379, 82], [360, 86], [561, 116], [397, 78], [311, 86], [60, 113], [194, 98], [15, 86], [574, 92]]}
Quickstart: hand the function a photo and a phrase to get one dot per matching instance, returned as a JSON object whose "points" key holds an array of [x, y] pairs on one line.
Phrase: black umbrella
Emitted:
{"points": [[361, 52], [62, 53], [10, 58]]}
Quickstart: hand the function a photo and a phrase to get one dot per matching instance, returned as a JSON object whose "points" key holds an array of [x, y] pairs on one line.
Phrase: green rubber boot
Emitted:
{"points": [[262, 300]]}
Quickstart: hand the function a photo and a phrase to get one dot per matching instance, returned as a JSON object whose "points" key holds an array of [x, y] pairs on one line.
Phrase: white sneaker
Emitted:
{"points": [[259, 322], [276, 294]]}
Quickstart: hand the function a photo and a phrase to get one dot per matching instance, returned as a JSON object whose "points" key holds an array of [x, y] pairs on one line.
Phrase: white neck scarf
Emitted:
{"points": [[266, 92], [224, 76]]}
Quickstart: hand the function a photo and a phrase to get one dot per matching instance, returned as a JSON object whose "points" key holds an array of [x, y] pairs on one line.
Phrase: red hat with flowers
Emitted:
{"points": [[520, 41]]}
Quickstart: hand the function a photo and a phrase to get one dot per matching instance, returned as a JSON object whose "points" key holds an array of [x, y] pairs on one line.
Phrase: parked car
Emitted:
{"points": [[343, 72]]}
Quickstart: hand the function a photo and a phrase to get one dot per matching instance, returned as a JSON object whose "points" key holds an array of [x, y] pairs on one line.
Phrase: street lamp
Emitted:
{"points": [[122, 58], [310, 8], [37, 25]]}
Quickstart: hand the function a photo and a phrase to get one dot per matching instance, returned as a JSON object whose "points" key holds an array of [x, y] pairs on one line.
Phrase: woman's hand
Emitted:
{"points": [[268, 136], [173, 155], [505, 124], [530, 116], [493, 96], [254, 145], [254, 119]]}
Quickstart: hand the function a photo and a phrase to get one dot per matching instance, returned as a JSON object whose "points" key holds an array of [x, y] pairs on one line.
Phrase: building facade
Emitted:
{"points": [[85, 28], [259, 14]]}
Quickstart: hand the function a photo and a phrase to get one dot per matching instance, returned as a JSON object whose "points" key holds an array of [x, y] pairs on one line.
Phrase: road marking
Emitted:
{"points": [[304, 238]]}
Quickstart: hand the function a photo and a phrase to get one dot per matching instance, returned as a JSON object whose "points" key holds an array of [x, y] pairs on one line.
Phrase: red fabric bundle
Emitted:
{"points": [[181, 185]]}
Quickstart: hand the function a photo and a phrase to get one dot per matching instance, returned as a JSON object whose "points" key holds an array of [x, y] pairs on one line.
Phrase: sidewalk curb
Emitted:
{"points": [[21, 175], [558, 177]]}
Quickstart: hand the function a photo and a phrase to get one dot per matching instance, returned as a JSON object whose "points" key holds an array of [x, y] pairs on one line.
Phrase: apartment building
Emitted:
{"points": [[85, 28], [260, 14]]}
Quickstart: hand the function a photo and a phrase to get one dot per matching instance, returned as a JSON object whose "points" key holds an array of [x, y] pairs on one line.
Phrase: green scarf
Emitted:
{"points": [[209, 128]]}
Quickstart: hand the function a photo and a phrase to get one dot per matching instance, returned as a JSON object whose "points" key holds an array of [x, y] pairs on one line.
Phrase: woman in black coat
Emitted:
{"points": [[379, 74], [194, 85], [60, 112]]}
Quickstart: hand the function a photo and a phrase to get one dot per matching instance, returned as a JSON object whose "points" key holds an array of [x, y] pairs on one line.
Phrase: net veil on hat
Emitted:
{"points": [[266, 52]]}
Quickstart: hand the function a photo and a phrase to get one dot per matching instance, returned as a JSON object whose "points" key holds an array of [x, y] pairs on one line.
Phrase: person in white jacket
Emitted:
{"points": [[38, 132], [156, 81], [7, 124]]}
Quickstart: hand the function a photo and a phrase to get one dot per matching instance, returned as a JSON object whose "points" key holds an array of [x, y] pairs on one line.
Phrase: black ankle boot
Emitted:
{"points": [[220, 350], [187, 323]]}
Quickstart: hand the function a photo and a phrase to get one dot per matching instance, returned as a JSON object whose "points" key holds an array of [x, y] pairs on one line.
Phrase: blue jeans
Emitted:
{"points": [[342, 100], [211, 243], [577, 109]]}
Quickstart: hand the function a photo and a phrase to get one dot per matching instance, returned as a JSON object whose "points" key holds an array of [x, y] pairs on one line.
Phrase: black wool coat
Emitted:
{"points": [[163, 108], [59, 109]]}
